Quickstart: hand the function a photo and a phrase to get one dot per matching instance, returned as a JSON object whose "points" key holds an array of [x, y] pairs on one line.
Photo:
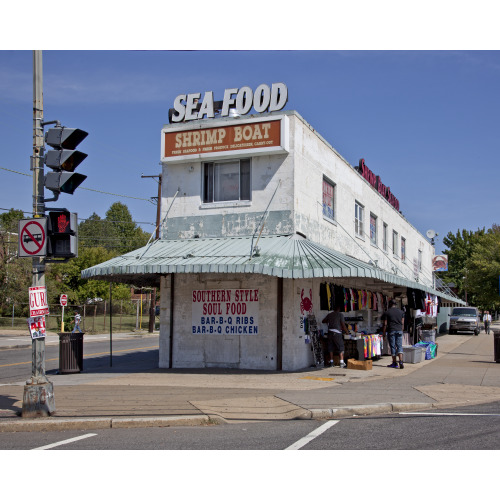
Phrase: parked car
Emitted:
{"points": [[464, 319]]}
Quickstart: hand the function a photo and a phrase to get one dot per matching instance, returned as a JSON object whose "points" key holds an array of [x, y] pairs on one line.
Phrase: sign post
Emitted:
{"points": [[63, 300]]}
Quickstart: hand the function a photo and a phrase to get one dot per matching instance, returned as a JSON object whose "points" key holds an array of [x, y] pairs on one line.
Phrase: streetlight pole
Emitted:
{"points": [[38, 397]]}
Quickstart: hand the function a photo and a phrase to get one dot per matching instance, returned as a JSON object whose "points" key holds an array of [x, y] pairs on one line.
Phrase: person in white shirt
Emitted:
{"points": [[487, 321]]}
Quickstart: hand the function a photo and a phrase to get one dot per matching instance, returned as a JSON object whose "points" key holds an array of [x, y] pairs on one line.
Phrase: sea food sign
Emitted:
{"points": [[376, 183], [188, 107], [225, 312]]}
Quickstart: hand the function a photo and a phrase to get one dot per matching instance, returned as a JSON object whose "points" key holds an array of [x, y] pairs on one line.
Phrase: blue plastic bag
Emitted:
{"points": [[430, 349]]}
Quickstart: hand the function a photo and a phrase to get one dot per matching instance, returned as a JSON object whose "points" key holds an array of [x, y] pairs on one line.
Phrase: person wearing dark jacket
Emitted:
{"points": [[393, 320]]}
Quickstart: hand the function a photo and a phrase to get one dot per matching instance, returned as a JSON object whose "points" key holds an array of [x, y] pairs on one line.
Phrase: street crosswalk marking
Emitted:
{"points": [[312, 435]]}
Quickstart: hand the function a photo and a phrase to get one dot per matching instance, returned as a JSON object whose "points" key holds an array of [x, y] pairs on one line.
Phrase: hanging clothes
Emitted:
{"points": [[323, 296]]}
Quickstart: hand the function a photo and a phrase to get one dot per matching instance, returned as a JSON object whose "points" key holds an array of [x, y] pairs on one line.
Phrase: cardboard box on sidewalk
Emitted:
{"points": [[354, 364]]}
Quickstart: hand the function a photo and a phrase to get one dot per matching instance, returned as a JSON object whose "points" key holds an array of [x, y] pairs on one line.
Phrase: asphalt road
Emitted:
{"points": [[467, 428], [127, 351]]}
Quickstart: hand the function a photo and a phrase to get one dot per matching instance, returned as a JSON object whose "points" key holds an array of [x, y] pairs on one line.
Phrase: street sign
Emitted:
{"points": [[64, 300], [32, 237], [38, 301]]}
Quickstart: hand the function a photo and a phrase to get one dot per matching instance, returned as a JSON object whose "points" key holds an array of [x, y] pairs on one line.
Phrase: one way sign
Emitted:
{"points": [[32, 237]]}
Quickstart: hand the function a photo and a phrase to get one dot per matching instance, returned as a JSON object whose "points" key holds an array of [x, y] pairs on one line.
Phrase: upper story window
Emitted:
{"points": [[226, 181], [384, 237], [373, 228], [395, 243], [328, 199], [403, 249], [358, 219], [419, 261]]}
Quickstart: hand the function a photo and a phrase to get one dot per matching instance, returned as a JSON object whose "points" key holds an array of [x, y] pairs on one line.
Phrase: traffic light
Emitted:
{"points": [[63, 234], [63, 159]]}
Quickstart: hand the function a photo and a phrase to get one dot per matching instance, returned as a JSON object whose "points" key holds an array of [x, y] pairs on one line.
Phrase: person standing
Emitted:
{"points": [[487, 322], [78, 319], [393, 320], [336, 325]]}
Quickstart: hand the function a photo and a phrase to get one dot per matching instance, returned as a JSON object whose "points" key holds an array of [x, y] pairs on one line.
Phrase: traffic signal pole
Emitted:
{"points": [[38, 397]]}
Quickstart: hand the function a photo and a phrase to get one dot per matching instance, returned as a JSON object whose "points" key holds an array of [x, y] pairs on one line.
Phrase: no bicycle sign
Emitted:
{"points": [[32, 237]]}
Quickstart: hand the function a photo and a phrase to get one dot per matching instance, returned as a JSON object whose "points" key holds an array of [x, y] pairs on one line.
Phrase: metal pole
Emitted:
{"points": [[110, 324], [38, 398]]}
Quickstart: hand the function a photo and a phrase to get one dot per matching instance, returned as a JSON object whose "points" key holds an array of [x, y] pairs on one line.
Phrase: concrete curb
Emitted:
{"points": [[361, 410], [58, 424]]}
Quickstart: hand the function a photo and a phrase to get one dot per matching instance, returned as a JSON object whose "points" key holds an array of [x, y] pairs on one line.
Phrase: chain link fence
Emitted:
{"points": [[127, 316]]}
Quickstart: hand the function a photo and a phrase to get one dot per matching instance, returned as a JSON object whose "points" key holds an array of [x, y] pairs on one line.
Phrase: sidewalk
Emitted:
{"points": [[463, 373]]}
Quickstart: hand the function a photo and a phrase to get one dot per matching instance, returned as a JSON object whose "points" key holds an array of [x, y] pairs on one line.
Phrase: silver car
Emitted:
{"points": [[464, 319]]}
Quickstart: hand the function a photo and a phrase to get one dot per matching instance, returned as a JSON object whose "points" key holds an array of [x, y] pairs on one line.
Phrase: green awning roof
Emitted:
{"points": [[284, 256]]}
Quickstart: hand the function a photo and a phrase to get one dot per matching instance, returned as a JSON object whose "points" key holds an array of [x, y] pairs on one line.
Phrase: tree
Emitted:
{"points": [[15, 273], [95, 232], [484, 270], [127, 236], [66, 278], [460, 251]]}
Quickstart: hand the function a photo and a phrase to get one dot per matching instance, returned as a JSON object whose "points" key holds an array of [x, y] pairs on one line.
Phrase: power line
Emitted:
{"points": [[87, 189]]}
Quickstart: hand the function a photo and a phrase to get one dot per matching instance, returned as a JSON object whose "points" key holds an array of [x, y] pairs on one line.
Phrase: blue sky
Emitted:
{"points": [[426, 121]]}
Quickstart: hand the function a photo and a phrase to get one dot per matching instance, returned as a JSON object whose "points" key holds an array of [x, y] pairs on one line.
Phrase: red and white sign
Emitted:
{"points": [[32, 237], [63, 300], [37, 327], [38, 301], [225, 312]]}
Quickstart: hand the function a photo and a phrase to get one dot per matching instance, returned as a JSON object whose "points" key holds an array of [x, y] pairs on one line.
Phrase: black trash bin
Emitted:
{"points": [[496, 346], [70, 352]]}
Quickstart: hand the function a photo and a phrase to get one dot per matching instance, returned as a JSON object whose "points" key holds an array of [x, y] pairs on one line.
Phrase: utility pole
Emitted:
{"points": [[38, 397]]}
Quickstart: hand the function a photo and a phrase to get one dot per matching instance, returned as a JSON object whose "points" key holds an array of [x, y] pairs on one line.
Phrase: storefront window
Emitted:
{"points": [[395, 243], [373, 229], [358, 219], [328, 200], [226, 181], [403, 249]]}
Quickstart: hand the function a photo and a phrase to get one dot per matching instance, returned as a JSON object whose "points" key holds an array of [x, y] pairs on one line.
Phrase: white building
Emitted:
{"points": [[256, 213]]}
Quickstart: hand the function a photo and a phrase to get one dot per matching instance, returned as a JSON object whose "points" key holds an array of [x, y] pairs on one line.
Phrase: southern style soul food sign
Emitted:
{"points": [[225, 312], [265, 135]]}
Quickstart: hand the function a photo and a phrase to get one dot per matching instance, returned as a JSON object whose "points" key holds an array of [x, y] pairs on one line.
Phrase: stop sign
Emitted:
{"points": [[64, 300]]}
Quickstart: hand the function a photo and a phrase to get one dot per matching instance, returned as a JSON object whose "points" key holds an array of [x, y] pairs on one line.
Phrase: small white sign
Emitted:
{"points": [[36, 327], [38, 301]]}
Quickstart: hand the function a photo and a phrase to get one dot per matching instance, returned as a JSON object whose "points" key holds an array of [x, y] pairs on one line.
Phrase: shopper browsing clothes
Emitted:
{"points": [[487, 322], [78, 319], [336, 325], [393, 320]]}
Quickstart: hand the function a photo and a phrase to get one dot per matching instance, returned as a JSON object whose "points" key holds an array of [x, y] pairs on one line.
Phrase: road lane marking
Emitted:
{"points": [[85, 355], [453, 414], [67, 441], [312, 435]]}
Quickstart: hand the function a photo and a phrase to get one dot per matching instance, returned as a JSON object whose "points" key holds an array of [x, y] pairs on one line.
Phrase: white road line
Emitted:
{"points": [[453, 414], [312, 435], [59, 443]]}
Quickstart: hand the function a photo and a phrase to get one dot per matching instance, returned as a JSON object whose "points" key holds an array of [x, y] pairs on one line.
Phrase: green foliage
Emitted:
{"points": [[474, 265], [99, 240], [15, 273]]}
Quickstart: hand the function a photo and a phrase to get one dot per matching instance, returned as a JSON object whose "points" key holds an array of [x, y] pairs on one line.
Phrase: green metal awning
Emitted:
{"points": [[283, 256]]}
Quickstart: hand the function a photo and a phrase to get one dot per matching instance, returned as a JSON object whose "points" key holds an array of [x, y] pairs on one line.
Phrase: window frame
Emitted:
{"points": [[359, 215], [374, 236], [385, 230], [210, 172], [403, 249], [331, 184], [395, 244]]}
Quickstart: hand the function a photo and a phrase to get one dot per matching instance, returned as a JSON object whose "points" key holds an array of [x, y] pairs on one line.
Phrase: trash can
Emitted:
{"points": [[70, 352], [496, 346]]}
